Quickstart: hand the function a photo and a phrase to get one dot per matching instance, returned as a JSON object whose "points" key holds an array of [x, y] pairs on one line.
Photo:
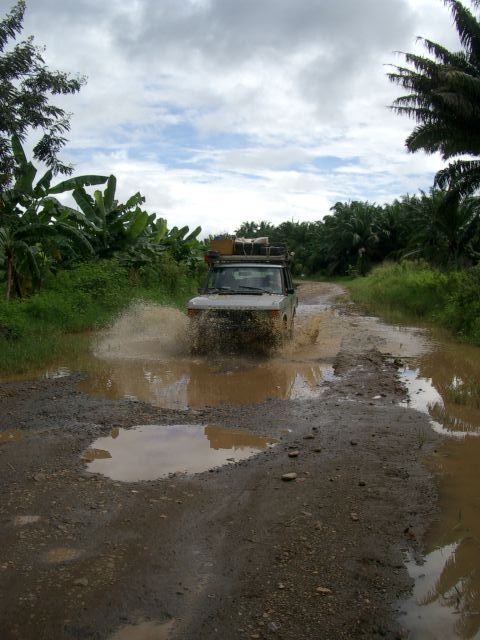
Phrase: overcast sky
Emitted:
{"points": [[221, 111]]}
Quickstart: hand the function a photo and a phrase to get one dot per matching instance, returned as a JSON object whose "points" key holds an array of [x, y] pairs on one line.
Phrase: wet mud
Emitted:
{"points": [[230, 550]]}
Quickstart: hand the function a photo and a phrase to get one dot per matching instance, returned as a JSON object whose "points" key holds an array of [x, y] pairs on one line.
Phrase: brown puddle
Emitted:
{"points": [[149, 452], [145, 356], [11, 435], [445, 383]]}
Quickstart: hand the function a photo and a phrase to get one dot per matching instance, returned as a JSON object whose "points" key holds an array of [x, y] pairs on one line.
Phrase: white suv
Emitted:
{"points": [[247, 297]]}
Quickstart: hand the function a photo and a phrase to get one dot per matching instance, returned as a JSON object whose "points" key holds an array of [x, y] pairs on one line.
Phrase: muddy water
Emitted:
{"points": [[150, 452], [145, 355], [445, 383]]}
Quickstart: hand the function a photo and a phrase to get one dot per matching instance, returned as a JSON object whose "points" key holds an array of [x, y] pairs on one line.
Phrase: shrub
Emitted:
{"points": [[449, 299], [33, 331], [462, 313]]}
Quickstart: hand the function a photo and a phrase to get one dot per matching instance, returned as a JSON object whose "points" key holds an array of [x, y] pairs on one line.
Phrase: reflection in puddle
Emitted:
{"points": [[11, 435], [445, 384], [97, 454], [144, 631], [149, 452], [181, 384]]}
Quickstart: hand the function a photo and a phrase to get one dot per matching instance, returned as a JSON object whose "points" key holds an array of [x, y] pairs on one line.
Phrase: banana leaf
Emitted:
{"points": [[79, 181]]}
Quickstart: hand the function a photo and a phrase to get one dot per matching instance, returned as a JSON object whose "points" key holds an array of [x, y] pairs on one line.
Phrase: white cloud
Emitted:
{"points": [[220, 111]]}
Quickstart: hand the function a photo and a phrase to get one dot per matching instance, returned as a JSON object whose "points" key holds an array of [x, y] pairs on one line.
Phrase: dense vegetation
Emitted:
{"points": [[37, 329], [417, 291], [69, 267], [435, 227]]}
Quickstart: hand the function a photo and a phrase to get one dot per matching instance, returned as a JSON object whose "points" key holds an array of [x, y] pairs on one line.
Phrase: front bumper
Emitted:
{"points": [[246, 324]]}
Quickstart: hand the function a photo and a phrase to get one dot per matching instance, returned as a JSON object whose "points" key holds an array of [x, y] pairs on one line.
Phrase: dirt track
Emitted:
{"points": [[231, 553]]}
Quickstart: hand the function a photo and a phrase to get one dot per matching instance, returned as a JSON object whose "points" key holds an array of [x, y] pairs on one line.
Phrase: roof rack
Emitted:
{"points": [[248, 250], [214, 257]]}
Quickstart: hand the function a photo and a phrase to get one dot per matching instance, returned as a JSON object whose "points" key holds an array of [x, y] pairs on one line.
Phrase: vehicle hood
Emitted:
{"points": [[263, 302]]}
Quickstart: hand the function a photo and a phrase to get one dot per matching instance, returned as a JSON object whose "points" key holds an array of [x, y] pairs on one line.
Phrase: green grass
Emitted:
{"points": [[37, 330], [415, 291]]}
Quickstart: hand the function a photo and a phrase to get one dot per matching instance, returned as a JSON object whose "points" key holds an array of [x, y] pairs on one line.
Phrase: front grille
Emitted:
{"points": [[238, 319]]}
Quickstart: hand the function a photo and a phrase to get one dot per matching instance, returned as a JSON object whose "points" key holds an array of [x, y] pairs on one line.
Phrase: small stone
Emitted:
{"points": [[293, 454], [39, 476], [318, 449], [361, 483], [353, 443], [81, 582], [309, 436], [281, 585], [323, 590], [354, 516], [289, 476]]}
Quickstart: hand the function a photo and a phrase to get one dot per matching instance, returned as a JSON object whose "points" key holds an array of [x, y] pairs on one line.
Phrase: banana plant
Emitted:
{"points": [[183, 244], [112, 227], [35, 231], [126, 231]]}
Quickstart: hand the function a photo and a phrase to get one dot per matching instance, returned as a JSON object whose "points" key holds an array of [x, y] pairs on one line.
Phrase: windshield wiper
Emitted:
{"points": [[219, 290], [245, 286]]}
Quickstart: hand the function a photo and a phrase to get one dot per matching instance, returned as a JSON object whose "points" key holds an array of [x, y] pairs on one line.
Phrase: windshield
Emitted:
{"points": [[242, 278]]}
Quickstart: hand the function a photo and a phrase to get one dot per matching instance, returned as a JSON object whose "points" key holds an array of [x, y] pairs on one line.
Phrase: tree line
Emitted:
{"points": [[435, 227]]}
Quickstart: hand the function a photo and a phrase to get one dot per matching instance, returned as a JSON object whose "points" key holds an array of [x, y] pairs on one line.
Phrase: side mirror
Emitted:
{"points": [[291, 290]]}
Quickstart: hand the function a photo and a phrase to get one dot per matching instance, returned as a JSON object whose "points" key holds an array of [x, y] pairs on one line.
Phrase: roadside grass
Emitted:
{"points": [[37, 330], [415, 291]]}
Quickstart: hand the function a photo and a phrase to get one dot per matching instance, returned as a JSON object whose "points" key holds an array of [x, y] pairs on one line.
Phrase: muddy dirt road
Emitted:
{"points": [[98, 543]]}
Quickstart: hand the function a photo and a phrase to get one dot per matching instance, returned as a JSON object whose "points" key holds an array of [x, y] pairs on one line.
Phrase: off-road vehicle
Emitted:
{"points": [[247, 297]]}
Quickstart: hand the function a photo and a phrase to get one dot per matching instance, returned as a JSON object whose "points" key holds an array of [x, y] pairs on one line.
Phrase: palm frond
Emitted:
{"points": [[467, 25], [462, 176]]}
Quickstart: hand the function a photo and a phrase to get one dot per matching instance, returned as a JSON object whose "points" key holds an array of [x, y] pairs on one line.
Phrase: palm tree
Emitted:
{"points": [[444, 98], [444, 229], [352, 236]]}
